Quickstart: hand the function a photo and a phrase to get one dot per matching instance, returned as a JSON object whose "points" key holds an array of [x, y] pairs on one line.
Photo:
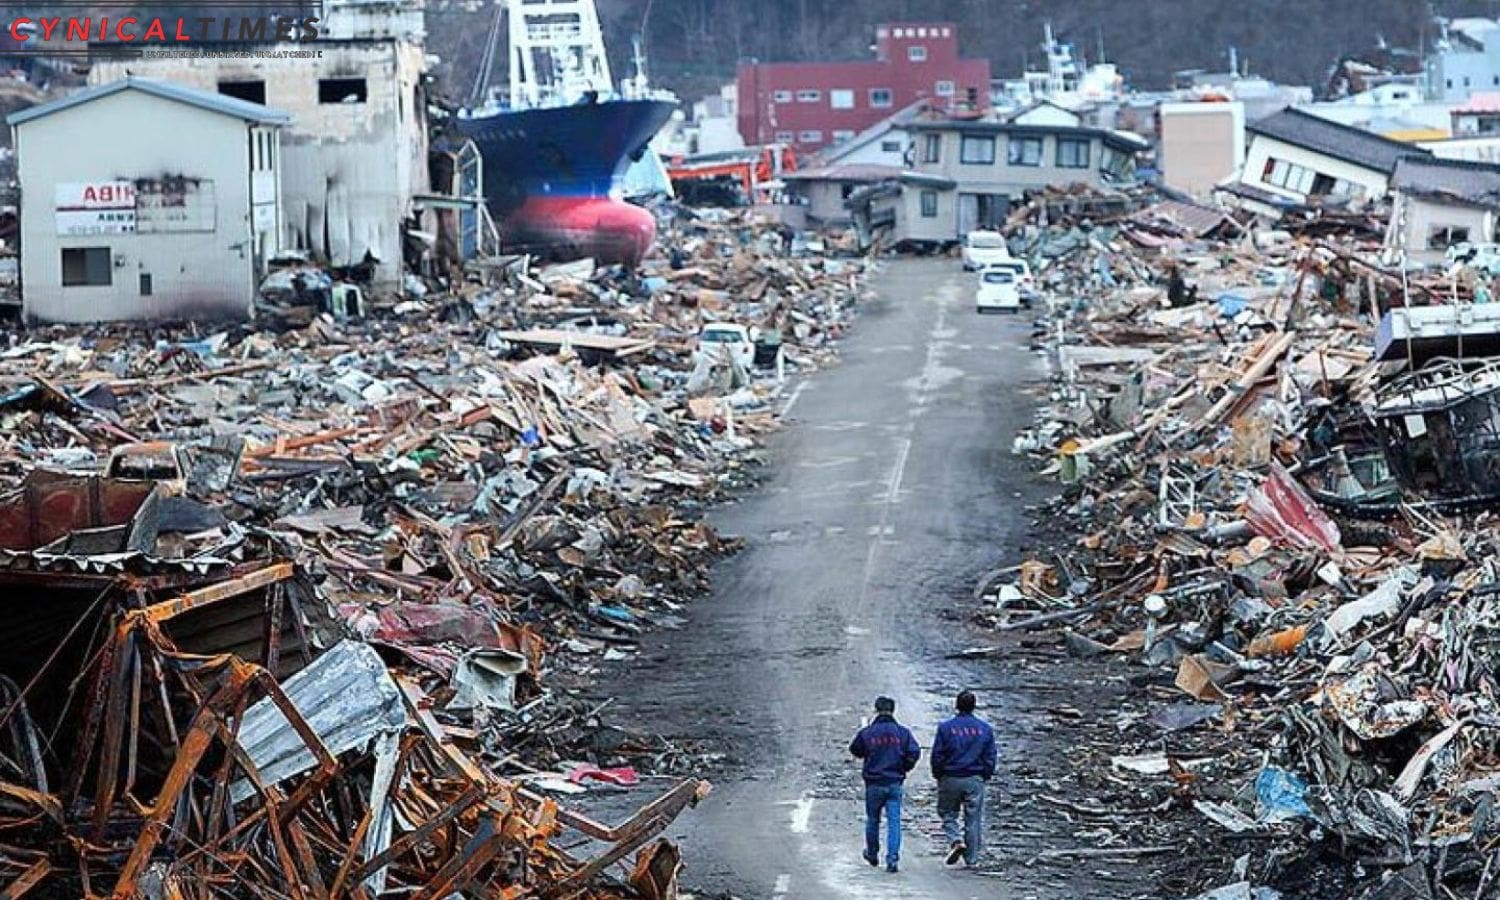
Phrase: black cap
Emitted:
{"points": [[885, 705]]}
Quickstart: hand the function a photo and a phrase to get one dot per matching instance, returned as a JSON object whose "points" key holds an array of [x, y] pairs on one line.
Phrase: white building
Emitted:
{"points": [[1466, 59], [357, 146], [144, 199], [1296, 157]]}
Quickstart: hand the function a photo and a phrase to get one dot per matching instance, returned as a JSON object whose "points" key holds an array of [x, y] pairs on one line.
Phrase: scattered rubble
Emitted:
{"points": [[1289, 539], [306, 609]]}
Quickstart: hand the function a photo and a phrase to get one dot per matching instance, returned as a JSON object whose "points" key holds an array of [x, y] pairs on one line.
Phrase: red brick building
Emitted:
{"points": [[814, 105]]}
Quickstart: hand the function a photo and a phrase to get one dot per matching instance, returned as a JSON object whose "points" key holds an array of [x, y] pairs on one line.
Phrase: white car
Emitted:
{"points": [[999, 291], [1025, 283], [720, 339], [981, 248]]}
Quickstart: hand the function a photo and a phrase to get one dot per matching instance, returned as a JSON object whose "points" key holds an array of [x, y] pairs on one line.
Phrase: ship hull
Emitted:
{"points": [[552, 177]]}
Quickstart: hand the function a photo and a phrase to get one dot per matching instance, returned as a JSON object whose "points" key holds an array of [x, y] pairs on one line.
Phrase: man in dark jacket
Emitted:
{"points": [[963, 759], [889, 752]]}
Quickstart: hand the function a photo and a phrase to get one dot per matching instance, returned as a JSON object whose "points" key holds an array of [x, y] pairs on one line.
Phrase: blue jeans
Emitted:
{"points": [[883, 798], [966, 794]]}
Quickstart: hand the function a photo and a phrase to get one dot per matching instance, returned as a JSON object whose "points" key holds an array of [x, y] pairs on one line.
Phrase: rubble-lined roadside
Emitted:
{"points": [[318, 601], [1287, 540]]}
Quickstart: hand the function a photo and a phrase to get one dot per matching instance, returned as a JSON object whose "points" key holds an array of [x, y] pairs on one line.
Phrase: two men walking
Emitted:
{"points": [[963, 759]]}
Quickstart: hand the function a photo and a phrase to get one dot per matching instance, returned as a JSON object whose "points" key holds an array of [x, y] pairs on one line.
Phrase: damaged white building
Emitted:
{"points": [[354, 156]]}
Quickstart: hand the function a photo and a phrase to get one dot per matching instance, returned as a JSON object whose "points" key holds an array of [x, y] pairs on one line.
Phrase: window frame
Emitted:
{"points": [[785, 137], [810, 95], [929, 210], [916, 53], [810, 136], [1016, 151], [1080, 160], [837, 94], [890, 98], [932, 148], [968, 141], [88, 271], [944, 88], [781, 96]]}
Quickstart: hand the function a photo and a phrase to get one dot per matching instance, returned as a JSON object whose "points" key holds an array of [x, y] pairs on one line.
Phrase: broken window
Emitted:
{"points": [[977, 151], [1025, 151], [85, 266], [253, 91], [342, 90], [1072, 153], [1441, 237]]}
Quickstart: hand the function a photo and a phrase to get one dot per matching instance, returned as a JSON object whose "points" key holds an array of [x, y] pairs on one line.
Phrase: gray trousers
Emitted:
{"points": [[966, 794]]}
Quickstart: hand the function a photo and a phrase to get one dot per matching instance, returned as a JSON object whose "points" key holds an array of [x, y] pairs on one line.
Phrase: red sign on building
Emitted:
{"points": [[815, 105]]}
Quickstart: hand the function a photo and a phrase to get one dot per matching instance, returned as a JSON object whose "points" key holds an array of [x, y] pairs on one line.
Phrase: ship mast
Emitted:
{"points": [[557, 53]]}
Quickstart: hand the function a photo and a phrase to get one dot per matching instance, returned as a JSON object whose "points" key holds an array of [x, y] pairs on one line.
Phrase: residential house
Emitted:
{"points": [[993, 163], [145, 200], [356, 150], [886, 143], [1437, 203], [816, 105], [1296, 158], [1201, 144], [824, 191]]}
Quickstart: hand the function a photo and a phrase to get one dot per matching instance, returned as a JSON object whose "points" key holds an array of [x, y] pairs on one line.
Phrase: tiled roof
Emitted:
{"points": [[1473, 182], [1345, 142]]}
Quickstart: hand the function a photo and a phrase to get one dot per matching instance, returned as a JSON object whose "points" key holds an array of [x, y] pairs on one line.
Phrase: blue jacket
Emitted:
{"points": [[964, 747], [888, 749]]}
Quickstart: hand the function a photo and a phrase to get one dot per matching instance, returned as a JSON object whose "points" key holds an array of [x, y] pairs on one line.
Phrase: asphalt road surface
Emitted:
{"points": [[890, 491]]}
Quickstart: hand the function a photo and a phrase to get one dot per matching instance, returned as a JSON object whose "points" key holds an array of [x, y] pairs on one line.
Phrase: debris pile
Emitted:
{"points": [[305, 612], [1292, 540]]}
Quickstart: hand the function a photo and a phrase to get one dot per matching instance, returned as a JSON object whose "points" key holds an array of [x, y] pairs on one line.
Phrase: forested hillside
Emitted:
{"points": [[694, 44]]}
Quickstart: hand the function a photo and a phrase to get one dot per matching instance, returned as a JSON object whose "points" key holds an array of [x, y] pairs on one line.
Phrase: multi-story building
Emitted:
{"points": [[816, 105], [356, 149]]}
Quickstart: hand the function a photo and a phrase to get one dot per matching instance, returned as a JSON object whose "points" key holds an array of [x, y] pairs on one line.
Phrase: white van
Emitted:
{"points": [[981, 248]]}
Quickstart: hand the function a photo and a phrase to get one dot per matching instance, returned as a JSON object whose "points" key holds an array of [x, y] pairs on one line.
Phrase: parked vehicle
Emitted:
{"points": [[1025, 283], [980, 248], [720, 338], [999, 291]]}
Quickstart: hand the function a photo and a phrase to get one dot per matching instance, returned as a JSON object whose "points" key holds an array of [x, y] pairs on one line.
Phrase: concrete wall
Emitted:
{"points": [[1263, 148], [126, 136], [871, 152], [1201, 144], [349, 170], [825, 200]]}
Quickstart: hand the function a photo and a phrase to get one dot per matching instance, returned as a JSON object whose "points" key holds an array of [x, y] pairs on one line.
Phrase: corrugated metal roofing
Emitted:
{"points": [[1345, 142], [167, 90]]}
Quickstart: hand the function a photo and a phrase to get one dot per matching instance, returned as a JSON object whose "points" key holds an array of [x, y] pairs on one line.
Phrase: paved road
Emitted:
{"points": [[891, 490]]}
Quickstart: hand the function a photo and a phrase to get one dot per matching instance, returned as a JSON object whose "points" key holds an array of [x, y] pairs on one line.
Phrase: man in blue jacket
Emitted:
{"points": [[963, 759], [889, 752]]}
